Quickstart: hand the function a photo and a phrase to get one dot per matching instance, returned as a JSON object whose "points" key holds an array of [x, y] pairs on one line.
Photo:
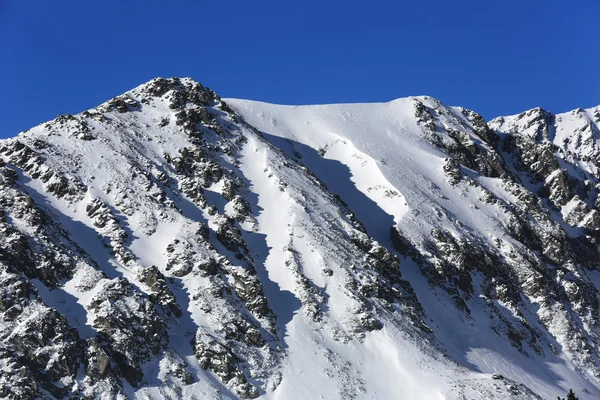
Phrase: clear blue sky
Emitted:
{"points": [[496, 57]]}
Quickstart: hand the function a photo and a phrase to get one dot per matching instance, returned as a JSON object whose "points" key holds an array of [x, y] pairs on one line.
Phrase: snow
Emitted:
{"points": [[376, 159], [379, 372]]}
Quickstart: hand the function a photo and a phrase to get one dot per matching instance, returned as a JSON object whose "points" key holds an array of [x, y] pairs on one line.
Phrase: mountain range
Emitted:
{"points": [[173, 244]]}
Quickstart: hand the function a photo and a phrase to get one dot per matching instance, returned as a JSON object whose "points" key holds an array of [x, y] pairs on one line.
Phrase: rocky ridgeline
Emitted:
{"points": [[30, 162], [131, 318], [80, 193], [552, 226], [474, 146]]}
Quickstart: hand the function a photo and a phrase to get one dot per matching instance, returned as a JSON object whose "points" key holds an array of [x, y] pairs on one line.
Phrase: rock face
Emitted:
{"points": [[169, 244]]}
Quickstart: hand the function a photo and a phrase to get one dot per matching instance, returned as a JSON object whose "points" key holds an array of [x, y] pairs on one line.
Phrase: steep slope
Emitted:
{"points": [[476, 228], [169, 244]]}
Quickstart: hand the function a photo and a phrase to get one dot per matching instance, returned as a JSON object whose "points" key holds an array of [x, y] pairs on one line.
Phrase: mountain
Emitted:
{"points": [[172, 244]]}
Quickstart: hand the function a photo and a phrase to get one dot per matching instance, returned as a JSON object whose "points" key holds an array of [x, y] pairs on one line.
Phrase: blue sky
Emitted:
{"points": [[496, 57]]}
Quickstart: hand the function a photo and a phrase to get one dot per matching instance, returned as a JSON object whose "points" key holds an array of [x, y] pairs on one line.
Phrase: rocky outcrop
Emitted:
{"points": [[159, 290], [128, 327], [40, 351]]}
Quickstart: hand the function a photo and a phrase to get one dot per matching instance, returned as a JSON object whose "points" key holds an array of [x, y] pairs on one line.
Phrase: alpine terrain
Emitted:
{"points": [[172, 244]]}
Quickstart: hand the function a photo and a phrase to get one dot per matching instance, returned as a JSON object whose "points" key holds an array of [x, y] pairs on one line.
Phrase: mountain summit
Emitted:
{"points": [[171, 244]]}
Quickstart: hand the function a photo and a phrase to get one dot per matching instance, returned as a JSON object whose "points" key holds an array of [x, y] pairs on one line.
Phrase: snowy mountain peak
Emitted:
{"points": [[172, 244]]}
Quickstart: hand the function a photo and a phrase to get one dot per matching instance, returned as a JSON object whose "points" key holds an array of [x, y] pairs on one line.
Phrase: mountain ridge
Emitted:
{"points": [[188, 245]]}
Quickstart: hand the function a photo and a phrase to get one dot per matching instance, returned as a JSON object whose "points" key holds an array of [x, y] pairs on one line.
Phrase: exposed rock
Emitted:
{"points": [[129, 328], [452, 169], [160, 292], [122, 104]]}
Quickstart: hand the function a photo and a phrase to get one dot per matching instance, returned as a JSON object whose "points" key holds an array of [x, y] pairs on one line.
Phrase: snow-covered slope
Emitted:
{"points": [[169, 244], [467, 214]]}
